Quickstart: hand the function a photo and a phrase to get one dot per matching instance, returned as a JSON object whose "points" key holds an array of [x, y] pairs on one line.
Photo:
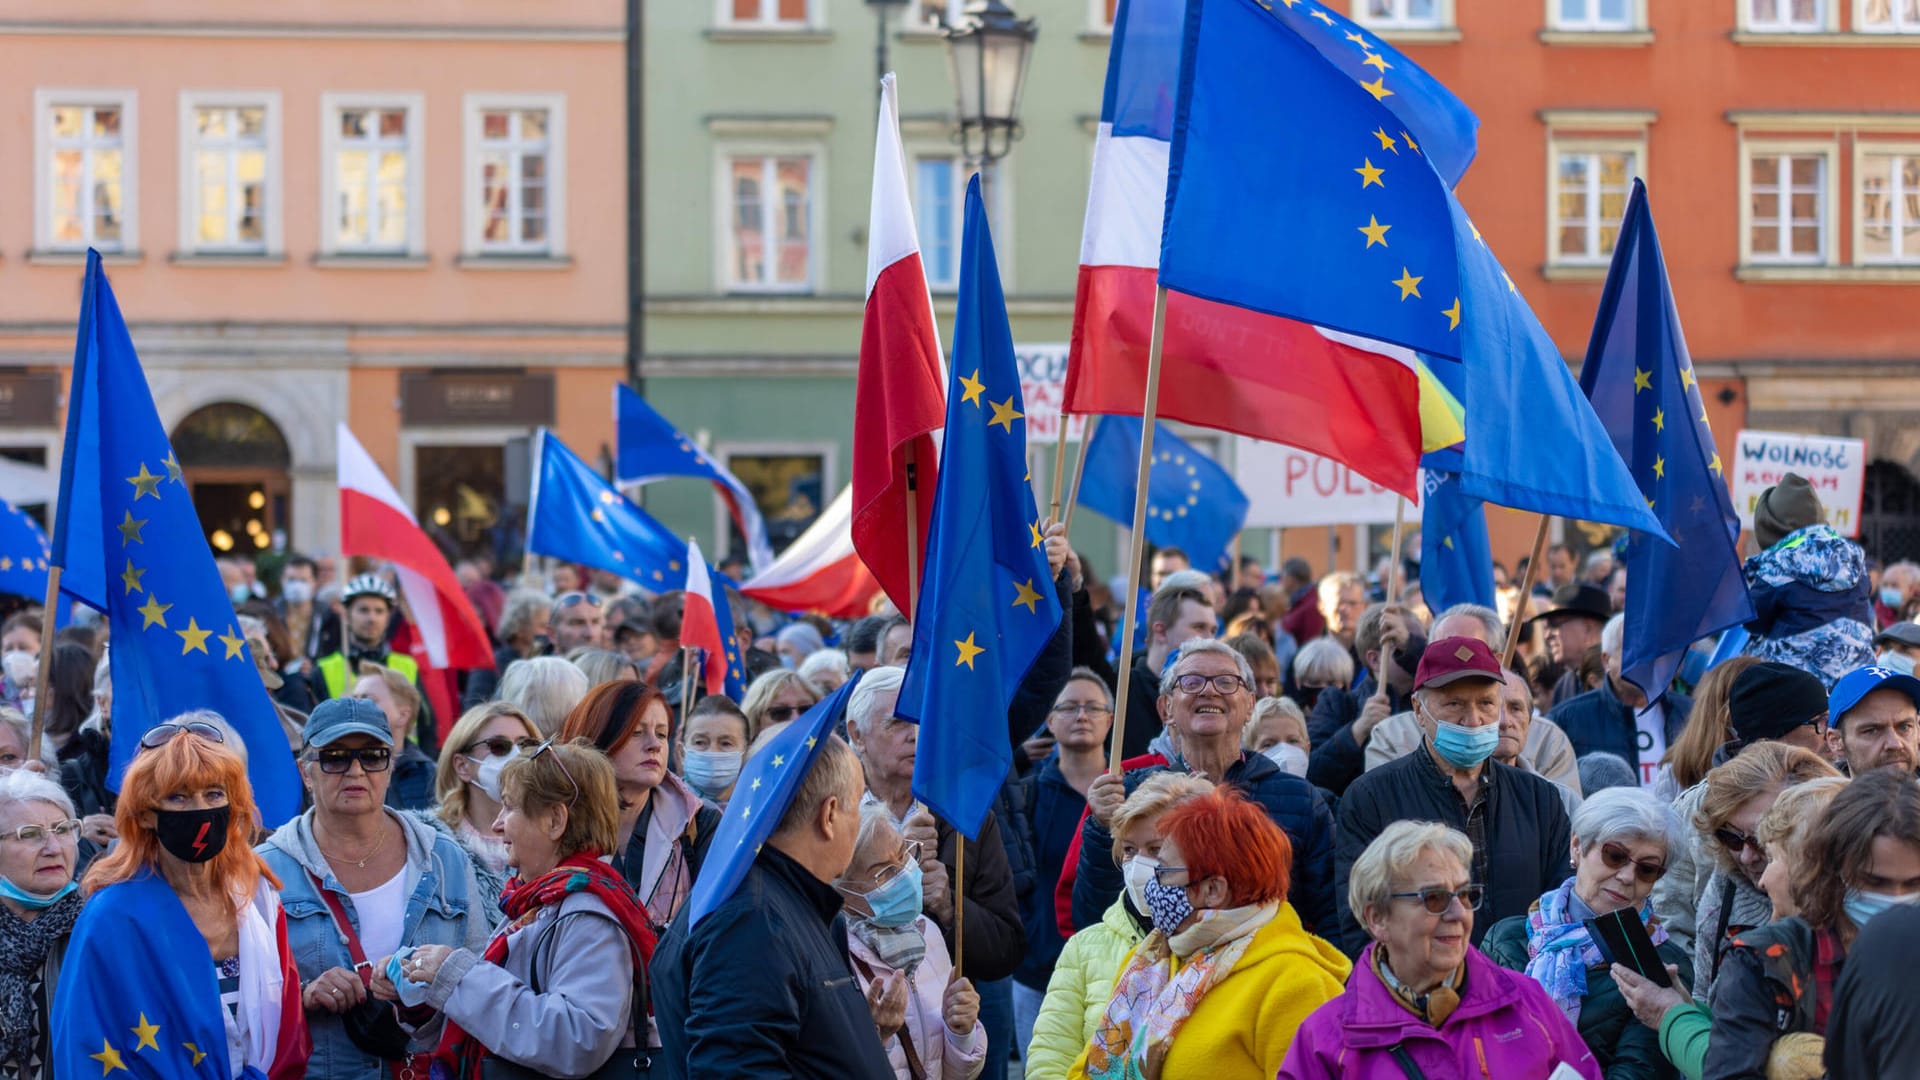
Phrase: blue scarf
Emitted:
{"points": [[1560, 949]]}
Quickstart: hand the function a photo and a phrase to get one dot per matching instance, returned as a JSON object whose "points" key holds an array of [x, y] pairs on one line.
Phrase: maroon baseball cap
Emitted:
{"points": [[1451, 659]]}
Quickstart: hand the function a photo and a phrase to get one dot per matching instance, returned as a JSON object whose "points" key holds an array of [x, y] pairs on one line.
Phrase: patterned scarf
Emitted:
{"points": [[23, 953], [1162, 984], [1560, 948], [1435, 1005], [521, 902]]}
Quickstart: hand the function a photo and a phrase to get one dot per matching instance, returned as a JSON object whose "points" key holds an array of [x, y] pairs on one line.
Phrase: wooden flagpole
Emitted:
{"points": [[40, 694], [1148, 413], [1392, 584], [913, 534], [686, 682], [1059, 469], [1526, 590], [1079, 469]]}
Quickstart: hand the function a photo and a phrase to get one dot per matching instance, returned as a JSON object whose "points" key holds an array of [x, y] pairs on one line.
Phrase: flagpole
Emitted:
{"points": [[913, 534], [1393, 557], [40, 694], [1148, 414], [1526, 589], [1079, 469], [1059, 469], [686, 683]]}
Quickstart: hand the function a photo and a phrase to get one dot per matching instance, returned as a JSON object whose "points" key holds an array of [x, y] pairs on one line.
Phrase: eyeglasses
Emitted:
{"points": [[1159, 870], [1438, 900], [37, 834], [1082, 708], [780, 714], [1223, 684], [1734, 840], [500, 745], [567, 600], [543, 748], [1646, 870], [909, 857], [161, 734], [335, 760]]}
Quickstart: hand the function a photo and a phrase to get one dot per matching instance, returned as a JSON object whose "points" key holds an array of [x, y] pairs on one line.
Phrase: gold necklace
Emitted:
{"points": [[360, 862]]}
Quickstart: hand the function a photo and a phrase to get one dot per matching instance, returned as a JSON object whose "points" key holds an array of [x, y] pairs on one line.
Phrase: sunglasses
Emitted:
{"points": [[500, 745], [1734, 840], [37, 834], [543, 748], [161, 734], [1646, 871], [574, 598], [780, 714], [1437, 900], [339, 759]]}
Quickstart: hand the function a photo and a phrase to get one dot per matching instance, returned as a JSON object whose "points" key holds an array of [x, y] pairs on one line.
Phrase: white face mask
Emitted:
{"points": [[1289, 757], [487, 777], [1895, 662], [1139, 871], [296, 592], [20, 666]]}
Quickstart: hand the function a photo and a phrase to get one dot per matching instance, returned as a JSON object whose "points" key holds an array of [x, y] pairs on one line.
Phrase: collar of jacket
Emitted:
{"points": [[1439, 779], [1375, 1018], [821, 894]]}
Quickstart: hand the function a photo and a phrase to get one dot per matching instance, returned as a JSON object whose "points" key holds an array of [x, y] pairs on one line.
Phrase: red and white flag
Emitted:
{"points": [[899, 401], [375, 522], [699, 625], [820, 572]]}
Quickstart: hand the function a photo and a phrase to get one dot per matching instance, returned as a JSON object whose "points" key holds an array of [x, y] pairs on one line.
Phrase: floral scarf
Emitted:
{"points": [[1160, 986], [1560, 948]]}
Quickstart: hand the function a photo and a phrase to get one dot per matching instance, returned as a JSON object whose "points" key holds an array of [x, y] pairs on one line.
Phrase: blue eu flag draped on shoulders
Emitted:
{"points": [[129, 543], [577, 516], [987, 606], [1192, 503], [1641, 382]]}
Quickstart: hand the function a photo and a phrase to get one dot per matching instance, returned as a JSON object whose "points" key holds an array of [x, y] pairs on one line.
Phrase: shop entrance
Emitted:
{"points": [[236, 459]]}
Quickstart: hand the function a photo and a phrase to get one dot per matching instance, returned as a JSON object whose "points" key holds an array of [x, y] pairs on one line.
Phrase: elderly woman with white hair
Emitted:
{"points": [[1321, 664], [39, 903], [1619, 849], [826, 670], [546, 688]]}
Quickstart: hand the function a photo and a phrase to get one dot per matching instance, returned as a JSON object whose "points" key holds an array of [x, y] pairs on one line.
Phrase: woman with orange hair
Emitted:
{"points": [[133, 996], [1228, 973]]}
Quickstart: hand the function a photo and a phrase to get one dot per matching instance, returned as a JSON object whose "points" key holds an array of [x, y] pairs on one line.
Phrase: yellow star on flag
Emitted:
{"points": [[1659, 420], [811, 740], [1370, 176], [6, 563], [746, 812], [1411, 145], [198, 1054], [1715, 463], [146, 1031], [233, 642], [1005, 414], [1323, 17], [131, 577], [608, 497], [109, 1058], [1453, 315], [1409, 285], [1376, 62], [598, 515], [193, 637], [1642, 380], [1447, 543], [1033, 528], [968, 650], [1386, 140], [173, 467], [756, 783], [145, 484], [1686, 377], [974, 387], [1026, 597], [130, 529], [155, 612], [1660, 467], [779, 760], [1375, 232], [1378, 88]]}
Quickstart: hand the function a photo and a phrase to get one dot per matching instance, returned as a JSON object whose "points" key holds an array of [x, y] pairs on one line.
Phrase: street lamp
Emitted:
{"points": [[881, 10], [987, 55]]}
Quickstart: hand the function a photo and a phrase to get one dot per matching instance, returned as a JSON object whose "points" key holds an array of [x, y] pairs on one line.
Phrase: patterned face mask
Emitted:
{"points": [[1169, 906]]}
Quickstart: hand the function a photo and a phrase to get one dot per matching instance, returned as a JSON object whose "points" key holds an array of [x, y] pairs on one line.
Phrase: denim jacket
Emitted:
{"points": [[444, 907]]}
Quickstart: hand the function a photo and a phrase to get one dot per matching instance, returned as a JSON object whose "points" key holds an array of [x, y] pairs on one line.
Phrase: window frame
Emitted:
{"points": [[1908, 147], [1899, 28], [1636, 20], [1561, 142], [1826, 19], [723, 17], [1098, 21], [415, 105], [724, 451], [273, 218], [724, 151], [1826, 149], [999, 200], [1444, 19], [473, 217], [44, 102]]}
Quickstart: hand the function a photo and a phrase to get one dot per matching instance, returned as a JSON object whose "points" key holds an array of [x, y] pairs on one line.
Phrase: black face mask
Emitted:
{"points": [[1407, 657], [194, 836]]}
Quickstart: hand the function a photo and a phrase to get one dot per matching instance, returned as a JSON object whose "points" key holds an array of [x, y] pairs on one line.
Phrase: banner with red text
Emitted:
{"points": [[1043, 383], [1288, 488]]}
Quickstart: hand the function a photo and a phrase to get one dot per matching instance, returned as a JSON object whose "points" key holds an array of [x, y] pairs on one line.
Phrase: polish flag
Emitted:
{"points": [[375, 522], [819, 572], [899, 401], [699, 626]]}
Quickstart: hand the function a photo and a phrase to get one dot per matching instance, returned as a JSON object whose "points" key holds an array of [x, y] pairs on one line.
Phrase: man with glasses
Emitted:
{"points": [[1516, 821], [1206, 700]]}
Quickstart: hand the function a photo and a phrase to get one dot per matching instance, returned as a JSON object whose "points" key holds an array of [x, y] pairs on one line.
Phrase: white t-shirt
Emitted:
{"points": [[1652, 724], [382, 912]]}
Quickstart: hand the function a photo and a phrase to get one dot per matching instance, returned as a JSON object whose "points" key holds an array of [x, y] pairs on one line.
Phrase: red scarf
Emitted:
{"points": [[521, 901]]}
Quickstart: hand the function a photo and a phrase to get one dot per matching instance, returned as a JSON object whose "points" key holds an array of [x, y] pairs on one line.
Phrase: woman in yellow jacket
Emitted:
{"points": [[1228, 974], [1083, 975]]}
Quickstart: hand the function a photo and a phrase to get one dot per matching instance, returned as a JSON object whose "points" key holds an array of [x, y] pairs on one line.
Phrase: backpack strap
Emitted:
{"points": [[1405, 1059], [914, 1069]]}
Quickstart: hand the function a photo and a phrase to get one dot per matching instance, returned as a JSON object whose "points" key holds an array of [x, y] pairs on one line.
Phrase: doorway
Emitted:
{"points": [[235, 460]]}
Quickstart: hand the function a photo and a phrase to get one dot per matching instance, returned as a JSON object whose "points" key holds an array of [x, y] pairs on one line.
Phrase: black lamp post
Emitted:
{"points": [[882, 10], [987, 56]]}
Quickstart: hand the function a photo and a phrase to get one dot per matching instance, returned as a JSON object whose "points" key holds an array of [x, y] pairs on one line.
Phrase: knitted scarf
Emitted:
{"points": [[1560, 948], [521, 902], [23, 953]]}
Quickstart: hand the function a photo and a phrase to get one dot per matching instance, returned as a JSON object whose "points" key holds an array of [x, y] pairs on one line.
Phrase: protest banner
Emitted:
{"points": [[1288, 488], [1043, 385], [1836, 467]]}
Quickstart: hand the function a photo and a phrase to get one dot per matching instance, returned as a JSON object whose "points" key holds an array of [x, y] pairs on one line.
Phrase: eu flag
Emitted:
{"points": [[987, 606], [1276, 149], [1456, 557], [1641, 382], [129, 543], [760, 799], [1192, 503], [650, 447], [24, 554], [577, 516]]}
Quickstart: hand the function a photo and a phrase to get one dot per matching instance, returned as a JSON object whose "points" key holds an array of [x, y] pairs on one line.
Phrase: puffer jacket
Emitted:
{"points": [[1810, 603], [1768, 987], [1078, 993]]}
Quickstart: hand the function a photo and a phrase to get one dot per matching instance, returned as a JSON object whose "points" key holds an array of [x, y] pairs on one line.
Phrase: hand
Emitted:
{"points": [[99, 828], [1393, 628], [1076, 576], [936, 893], [960, 1006], [383, 988], [1104, 797], [1650, 1002], [1038, 747], [1057, 547], [919, 829], [423, 966], [887, 1000], [1377, 708], [333, 991]]}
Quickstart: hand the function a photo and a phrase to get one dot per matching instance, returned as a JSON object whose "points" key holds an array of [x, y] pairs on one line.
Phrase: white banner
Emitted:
{"points": [[1287, 488], [1043, 385], [1837, 469]]}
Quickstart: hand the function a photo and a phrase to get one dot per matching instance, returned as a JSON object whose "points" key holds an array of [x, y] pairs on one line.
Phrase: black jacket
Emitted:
{"points": [[1337, 760], [996, 939], [1526, 833], [1291, 802], [1050, 810], [483, 683], [1089, 642], [763, 986], [83, 773], [1766, 988], [1599, 722]]}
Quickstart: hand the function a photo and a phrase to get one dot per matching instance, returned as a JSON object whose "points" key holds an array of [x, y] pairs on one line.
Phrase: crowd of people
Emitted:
{"points": [[1350, 837]]}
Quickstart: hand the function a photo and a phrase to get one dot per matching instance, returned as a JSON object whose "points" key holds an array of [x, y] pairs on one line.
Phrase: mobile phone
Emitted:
{"points": [[1623, 939]]}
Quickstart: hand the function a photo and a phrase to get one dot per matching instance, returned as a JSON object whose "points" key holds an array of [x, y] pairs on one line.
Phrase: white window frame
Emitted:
{"points": [[474, 243], [1861, 148], [914, 17], [44, 102], [724, 151], [1592, 23], [1097, 20], [723, 17], [1900, 24], [1829, 152], [999, 201], [1634, 143], [1443, 17], [273, 238], [725, 452], [1824, 19], [416, 108]]}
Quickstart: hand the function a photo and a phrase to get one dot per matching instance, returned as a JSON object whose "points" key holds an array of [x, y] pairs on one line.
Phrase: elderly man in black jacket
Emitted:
{"points": [[1516, 820], [1389, 640]]}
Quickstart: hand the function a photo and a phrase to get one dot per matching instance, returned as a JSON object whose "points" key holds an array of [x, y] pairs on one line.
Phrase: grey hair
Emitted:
{"points": [[207, 716], [1612, 634], [1496, 630], [1186, 579], [863, 708], [1323, 662], [546, 688], [1203, 646], [22, 730], [872, 816], [25, 785], [518, 611], [1621, 813], [601, 665], [824, 660], [1371, 882]]}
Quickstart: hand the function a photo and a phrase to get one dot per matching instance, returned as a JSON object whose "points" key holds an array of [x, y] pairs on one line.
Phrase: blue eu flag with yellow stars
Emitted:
{"points": [[24, 554], [1641, 382], [1192, 503], [1294, 189], [987, 606], [129, 543], [1456, 555], [577, 516]]}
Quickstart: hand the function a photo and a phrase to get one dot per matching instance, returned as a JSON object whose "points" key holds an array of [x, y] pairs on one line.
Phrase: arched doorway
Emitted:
{"points": [[1890, 513], [236, 461]]}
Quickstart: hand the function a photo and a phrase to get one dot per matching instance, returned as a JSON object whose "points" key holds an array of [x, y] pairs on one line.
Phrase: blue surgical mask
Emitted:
{"points": [[1862, 905], [712, 771], [1898, 663], [1466, 747], [411, 993], [1168, 906], [240, 593], [34, 901], [897, 902], [1893, 598]]}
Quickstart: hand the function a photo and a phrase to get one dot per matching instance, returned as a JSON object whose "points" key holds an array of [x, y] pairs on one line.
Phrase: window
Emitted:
{"points": [[1889, 17], [1590, 196], [1787, 209], [371, 182], [1888, 229], [229, 173], [1401, 14], [789, 486], [939, 208], [1786, 16], [778, 13], [770, 222], [86, 172], [927, 16], [516, 175], [1100, 13], [1597, 15]]}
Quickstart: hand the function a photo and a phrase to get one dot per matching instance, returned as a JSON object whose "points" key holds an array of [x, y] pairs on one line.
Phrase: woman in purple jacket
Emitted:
{"points": [[1422, 1003]]}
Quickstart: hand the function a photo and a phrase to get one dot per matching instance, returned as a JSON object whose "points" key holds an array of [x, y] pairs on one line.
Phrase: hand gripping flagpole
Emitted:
{"points": [[1526, 590], [1148, 414]]}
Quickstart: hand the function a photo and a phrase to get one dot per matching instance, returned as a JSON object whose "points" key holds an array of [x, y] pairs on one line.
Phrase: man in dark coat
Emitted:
{"points": [[1615, 718], [1344, 718]]}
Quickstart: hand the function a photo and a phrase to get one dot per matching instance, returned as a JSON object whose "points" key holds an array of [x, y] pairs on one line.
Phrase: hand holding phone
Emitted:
{"points": [[1623, 939]]}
